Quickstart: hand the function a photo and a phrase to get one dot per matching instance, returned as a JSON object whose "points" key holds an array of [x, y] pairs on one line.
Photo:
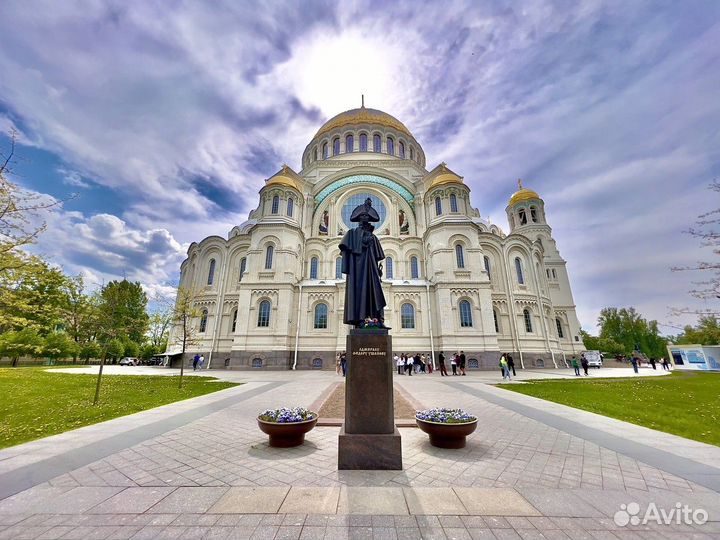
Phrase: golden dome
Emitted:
{"points": [[444, 176], [522, 194], [284, 178], [363, 115]]}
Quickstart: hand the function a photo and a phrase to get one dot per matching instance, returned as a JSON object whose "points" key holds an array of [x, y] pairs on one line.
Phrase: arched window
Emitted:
{"points": [[528, 321], [243, 266], [459, 256], [363, 142], [412, 153], [349, 144], [438, 206], [389, 267], [414, 271], [336, 146], [523, 216], [338, 268], [315, 154], [559, 328], [453, 203], [257, 363], [533, 214], [275, 204], [497, 323], [211, 272], [321, 315], [314, 268], [377, 144], [519, 271], [269, 257], [401, 149], [554, 274], [264, 314], [407, 316], [203, 321], [325, 151], [390, 146], [486, 260], [465, 314], [233, 325], [290, 206]]}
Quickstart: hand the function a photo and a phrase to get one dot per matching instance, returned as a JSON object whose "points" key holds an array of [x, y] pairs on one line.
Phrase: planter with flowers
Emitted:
{"points": [[285, 426], [447, 428]]}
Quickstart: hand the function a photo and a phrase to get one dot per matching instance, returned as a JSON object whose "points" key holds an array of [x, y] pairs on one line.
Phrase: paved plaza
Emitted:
{"points": [[202, 469]]}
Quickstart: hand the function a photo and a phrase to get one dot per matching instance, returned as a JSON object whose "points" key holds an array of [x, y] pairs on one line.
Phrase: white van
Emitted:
{"points": [[594, 358]]}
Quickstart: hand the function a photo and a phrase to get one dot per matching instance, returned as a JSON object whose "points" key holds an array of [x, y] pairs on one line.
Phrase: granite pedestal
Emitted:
{"points": [[369, 439]]}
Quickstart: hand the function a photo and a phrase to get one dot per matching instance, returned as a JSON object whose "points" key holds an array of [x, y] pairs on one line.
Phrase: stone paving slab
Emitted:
{"points": [[311, 500], [134, 500], [433, 501], [372, 500], [251, 500], [495, 502], [189, 500]]}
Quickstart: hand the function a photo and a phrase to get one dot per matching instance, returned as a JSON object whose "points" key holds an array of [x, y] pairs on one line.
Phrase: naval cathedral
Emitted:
{"points": [[270, 295]]}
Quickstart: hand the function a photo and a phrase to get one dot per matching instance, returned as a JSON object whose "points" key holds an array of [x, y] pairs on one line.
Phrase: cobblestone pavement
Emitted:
{"points": [[216, 477]]}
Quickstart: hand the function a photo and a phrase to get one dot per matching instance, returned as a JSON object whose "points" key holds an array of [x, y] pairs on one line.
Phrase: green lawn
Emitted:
{"points": [[36, 403], [683, 403]]}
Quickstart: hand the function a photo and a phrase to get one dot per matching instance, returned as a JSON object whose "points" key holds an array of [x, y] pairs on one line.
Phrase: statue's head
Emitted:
{"points": [[365, 213]]}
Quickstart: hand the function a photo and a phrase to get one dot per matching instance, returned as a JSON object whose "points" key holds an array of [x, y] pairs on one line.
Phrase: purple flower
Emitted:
{"points": [[286, 415], [445, 416]]}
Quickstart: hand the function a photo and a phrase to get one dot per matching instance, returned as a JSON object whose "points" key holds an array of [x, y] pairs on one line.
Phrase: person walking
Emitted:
{"points": [[441, 362], [504, 368], [511, 364], [634, 362], [652, 363], [584, 363], [423, 364], [408, 365], [201, 362], [416, 362], [196, 359], [343, 363], [665, 364], [453, 364], [400, 364], [575, 366], [337, 364], [462, 363], [429, 363]]}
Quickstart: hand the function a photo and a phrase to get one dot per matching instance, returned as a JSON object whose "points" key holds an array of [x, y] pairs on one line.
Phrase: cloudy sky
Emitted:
{"points": [[166, 117]]}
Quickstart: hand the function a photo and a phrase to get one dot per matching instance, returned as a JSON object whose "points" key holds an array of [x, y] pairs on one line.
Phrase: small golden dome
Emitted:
{"points": [[522, 194], [444, 176], [284, 178]]}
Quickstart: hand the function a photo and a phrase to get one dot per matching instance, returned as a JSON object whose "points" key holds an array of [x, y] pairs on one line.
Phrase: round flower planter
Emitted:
{"points": [[287, 434], [446, 435]]}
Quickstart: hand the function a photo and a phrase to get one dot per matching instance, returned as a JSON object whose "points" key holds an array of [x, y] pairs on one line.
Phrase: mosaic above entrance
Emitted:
{"points": [[364, 179]]}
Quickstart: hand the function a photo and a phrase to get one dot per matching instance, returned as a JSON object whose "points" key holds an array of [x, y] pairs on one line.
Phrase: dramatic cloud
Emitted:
{"points": [[608, 109]]}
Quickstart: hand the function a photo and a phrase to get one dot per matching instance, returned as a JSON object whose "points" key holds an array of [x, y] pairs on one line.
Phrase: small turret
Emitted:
{"points": [[525, 208]]}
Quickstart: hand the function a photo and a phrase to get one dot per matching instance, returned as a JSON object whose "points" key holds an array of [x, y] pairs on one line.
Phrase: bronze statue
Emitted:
{"points": [[361, 253]]}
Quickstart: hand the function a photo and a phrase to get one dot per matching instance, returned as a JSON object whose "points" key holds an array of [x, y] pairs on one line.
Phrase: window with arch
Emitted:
{"points": [[203, 321], [264, 314], [313, 268], [528, 321], [390, 146], [438, 206], [414, 269], [290, 207], [336, 146], [314, 154], [349, 144], [243, 266], [465, 314], [407, 316], [533, 214], [486, 261], [257, 363], [559, 328], [412, 153], [554, 274], [377, 144], [401, 149], [275, 204], [453, 203], [363, 142], [233, 324], [338, 268], [519, 271], [523, 216], [211, 272], [459, 256], [389, 267], [325, 151], [497, 322], [269, 257], [321, 316]]}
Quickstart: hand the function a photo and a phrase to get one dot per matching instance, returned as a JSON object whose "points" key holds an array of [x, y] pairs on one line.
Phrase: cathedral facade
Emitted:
{"points": [[270, 295]]}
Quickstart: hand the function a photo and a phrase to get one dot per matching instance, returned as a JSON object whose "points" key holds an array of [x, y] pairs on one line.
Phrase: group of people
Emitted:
{"points": [[507, 364], [583, 362], [408, 364], [198, 362]]}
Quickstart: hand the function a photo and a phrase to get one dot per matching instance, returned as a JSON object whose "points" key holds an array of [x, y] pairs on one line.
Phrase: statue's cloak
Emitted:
{"points": [[361, 252]]}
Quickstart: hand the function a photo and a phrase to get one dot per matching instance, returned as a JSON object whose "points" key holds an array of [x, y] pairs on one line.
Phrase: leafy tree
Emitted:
{"points": [[16, 344], [114, 349], [626, 327], [159, 324], [132, 349], [148, 350], [605, 345], [58, 345], [123, 310], [80, 312], [707, 332], [90, 349], [183, 317]]}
